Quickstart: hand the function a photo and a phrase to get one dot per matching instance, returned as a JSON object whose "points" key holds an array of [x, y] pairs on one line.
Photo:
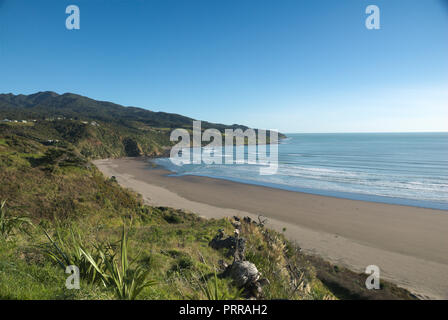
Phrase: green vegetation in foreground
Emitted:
{"points": [[78, 215]]}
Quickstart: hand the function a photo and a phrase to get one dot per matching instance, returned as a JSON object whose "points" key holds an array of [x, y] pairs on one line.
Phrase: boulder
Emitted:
{"points": [[244, 273]]}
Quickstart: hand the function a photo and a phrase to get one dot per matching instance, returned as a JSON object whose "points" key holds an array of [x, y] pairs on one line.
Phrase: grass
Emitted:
{"points": [[212, 289], [10, 224], [26, 274]]}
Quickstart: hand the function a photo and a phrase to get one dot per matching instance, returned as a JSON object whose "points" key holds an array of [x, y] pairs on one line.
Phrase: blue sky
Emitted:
{"points": [[296, 66]]}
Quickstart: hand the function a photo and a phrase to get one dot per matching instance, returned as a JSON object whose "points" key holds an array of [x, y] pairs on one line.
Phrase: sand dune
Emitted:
{"points": [[408, 244]]}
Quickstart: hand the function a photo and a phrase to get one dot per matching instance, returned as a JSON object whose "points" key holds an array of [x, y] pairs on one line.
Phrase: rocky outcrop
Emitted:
{"points": [[131, 148], [244, 273], [235, 245]]}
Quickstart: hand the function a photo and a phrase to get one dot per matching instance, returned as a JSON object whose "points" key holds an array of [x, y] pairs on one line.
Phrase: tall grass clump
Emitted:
{"points": [[10, 224], [212, 291], [72, 251], [127, 282], [212, 287]]}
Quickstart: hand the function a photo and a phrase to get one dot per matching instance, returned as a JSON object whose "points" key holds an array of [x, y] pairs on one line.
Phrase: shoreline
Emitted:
{"points": [[409, 244], [425, 204]]}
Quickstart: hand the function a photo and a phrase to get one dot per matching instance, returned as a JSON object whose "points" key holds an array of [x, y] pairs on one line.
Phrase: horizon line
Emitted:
{"points": [[345, 132]]}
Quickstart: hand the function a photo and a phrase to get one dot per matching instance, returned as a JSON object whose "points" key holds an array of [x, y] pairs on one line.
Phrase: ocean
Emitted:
{"points": [[397, 168]]}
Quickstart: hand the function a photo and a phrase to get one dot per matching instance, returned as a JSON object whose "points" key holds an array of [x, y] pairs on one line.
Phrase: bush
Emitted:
{"points": [[172, 218]]}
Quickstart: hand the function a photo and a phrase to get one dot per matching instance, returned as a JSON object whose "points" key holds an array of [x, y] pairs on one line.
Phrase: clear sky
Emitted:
{"points": [[292, 65]]}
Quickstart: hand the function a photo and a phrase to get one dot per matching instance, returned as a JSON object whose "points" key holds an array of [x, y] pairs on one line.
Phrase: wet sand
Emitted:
{"points": [[408, 244]]}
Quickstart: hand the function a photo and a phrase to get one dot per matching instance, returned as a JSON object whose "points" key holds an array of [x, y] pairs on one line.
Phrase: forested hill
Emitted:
{"points": [[44, 105], [97, 128]]}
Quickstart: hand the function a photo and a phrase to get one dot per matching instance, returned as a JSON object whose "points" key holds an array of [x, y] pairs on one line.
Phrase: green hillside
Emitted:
{"points": [[98, 129]]}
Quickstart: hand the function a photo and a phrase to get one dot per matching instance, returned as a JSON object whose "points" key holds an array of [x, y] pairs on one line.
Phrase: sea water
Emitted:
{"points": [[397, 168]]}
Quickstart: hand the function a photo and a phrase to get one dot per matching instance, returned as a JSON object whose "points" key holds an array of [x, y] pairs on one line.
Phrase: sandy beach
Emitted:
{"points": [[408, 244]]}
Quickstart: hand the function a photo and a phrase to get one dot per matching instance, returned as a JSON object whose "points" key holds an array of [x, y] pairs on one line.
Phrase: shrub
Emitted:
{"points": [[172, 218]]}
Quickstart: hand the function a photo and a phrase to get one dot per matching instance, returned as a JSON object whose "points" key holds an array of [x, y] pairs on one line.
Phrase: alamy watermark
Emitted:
{"points": [[72, 281], [373, 20], [254, 141], [373, 280], [73, 21]]}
